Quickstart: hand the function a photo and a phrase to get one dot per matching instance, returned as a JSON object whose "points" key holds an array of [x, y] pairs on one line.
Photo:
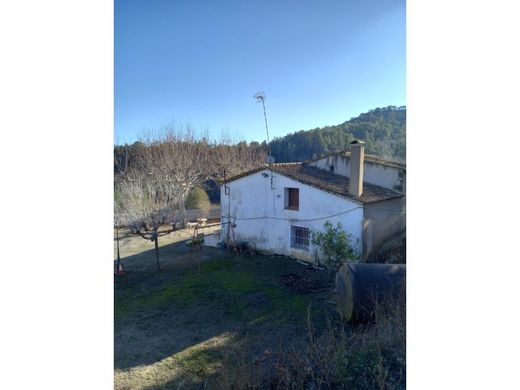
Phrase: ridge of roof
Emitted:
{"points": [[324, 180], [257, 169]]}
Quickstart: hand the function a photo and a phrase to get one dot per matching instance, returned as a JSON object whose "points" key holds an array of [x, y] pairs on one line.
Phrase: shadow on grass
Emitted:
{"points": [[161, 315], [143, 264]]}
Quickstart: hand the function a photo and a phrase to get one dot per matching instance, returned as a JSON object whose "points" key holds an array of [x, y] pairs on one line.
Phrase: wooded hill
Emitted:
{"points": [[383, 130]]}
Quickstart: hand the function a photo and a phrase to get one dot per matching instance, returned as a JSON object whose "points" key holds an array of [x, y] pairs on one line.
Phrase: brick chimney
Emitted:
{"points": [[357, 163]]}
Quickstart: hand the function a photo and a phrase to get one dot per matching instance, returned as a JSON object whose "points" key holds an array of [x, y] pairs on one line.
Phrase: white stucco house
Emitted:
{"points": [[274, 208]]}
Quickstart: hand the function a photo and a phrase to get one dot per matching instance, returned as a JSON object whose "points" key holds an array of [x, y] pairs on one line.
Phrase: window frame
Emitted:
{"points": [[288, 205]]}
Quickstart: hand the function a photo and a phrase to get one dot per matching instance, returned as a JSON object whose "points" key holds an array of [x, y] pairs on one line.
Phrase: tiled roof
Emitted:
{"points": [[326, 181]]}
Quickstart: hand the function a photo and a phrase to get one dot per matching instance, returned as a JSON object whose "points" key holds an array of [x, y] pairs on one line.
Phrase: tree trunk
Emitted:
{"points": [[183, 213], [118, 256], [156, 241]]}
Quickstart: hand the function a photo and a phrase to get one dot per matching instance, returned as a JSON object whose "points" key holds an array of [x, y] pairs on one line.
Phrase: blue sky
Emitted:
{"points": [[199, 63]]}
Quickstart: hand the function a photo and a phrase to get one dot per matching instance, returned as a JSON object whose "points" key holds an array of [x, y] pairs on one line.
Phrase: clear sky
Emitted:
{"points": [[199, 63]]}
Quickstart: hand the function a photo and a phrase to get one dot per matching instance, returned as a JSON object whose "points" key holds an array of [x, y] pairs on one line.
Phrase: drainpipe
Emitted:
{"points": [[227, 191]]}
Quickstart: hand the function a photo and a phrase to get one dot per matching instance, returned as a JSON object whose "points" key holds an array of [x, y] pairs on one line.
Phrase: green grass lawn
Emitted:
{"points": [[177, 328]]}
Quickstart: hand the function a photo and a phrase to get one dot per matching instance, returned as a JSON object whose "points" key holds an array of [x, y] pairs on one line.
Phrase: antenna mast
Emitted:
{"points": [[260, 97]]}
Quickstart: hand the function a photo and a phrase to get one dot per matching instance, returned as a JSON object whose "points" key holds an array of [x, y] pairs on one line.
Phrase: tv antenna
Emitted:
{"points": [[260, 97]]}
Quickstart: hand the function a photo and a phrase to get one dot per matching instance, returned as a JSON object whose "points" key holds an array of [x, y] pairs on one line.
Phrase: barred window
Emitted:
{"points": [[300, 237]]}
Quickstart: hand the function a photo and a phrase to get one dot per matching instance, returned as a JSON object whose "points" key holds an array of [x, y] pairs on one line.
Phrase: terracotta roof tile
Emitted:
{"points": [[326, 181]]}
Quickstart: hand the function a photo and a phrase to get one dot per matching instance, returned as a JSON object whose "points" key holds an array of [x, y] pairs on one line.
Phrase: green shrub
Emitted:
{"points": [[198, 199], [335, 243]]}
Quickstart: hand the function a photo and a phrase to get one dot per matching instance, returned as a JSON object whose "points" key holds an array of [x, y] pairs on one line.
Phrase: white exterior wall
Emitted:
{"points": [[381, 175], [252, 197], [383, 220]]}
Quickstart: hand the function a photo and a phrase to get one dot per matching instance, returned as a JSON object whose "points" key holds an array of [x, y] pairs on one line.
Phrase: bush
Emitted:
{"points": [[198, 199], [335, 243]]}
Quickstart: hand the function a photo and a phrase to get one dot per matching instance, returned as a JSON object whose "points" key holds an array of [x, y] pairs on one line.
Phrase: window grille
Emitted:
{"points": [[300, 237]]}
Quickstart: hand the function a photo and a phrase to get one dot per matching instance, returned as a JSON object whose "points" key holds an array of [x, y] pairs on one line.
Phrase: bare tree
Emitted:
{"points": [[235, 156], [179, 158], [152, 190], [145, 204]]}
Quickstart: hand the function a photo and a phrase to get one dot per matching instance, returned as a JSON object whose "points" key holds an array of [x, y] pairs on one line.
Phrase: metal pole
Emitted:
{"points": [[266, 129], [268, 147], [117, 240], [227, 191], [117, 244], [261, 96]]}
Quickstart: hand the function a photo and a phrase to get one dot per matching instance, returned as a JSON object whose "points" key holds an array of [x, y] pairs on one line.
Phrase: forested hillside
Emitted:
{"points": [[383, 130]]}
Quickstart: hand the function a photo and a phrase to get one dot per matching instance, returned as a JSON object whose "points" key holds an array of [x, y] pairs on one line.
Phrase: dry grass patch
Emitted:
{"points": [[371, 356], [245, 321], [177, 327], [192, 365]]}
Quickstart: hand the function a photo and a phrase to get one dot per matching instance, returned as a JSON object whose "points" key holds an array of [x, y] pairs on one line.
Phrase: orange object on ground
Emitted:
{"points": [[120, 270]]}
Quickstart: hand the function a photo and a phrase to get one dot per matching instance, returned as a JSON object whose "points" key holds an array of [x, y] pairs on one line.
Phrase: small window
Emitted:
{"points": [[300, 237], [292, 198]]}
